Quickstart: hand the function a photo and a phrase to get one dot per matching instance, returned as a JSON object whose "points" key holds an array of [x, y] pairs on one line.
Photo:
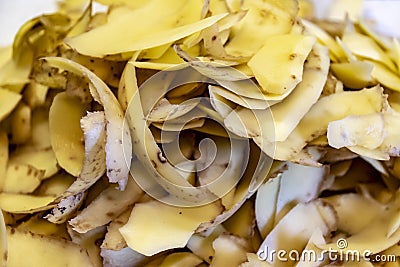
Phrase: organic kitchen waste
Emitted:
{"points": [[201, 133]]}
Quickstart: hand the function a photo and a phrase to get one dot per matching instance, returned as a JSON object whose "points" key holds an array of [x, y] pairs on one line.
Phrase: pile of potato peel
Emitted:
{"points": [[199, 133]]}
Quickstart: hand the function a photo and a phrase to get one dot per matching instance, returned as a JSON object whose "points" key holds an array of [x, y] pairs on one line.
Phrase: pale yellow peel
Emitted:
{"points": [[267, 18], [151, 33], [106, 207], [3, 157], [39, 158], [355, 75], [118, 143], [148, 237], [93, 126], [284, 68], [325, 110], [229, 250], [38, 249], [21, 203], [8, 101], [65, 132], [290, 234]]}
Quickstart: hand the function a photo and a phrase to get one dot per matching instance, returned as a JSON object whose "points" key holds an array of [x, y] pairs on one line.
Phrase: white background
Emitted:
{"points": [[14, 13]]}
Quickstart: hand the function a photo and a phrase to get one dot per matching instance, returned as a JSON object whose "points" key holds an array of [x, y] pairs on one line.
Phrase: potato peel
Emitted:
{"points": [[125, 257], [377, 230], [93, 126], [118, 142], [3, 157], [3, 241], [147, 237], [113, 239], [65, 208], [39, 248], [65, 132], [20, 178], [230, 250], [284, 69], [39, 158], [285, 116], [282, 236], [9, 101], [23, 203], [111, 202], [152, 34], [325, 110], [276, 198], [371, 135], [119, 129]]}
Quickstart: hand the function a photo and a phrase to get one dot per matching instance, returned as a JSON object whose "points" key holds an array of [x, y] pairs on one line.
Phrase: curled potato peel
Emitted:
{"points": [[117, 135], [190, 152]]}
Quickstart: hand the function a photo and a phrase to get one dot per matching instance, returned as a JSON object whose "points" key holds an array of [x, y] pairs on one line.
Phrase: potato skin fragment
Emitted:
{"points": [[148, 236], [8, 101], [152, 33], [118, 143], [279, 68], [39, 250], [315, 122], [93, 126], [106, 207], [312, 95], [65, 132]]}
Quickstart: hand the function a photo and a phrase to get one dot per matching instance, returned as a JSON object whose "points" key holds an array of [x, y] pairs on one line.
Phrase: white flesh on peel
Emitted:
{"points": [[65, 208], [118, 143], [23, 203], [39, 250], [265, 206], [3, 241], [8, 101], [308, 260], [93, 126], [178, 259], [281, 119], [372, 135]]}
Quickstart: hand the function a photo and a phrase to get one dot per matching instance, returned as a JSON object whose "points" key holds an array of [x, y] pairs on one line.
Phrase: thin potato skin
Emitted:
{"points": [[168, 133], [65, 132]]}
